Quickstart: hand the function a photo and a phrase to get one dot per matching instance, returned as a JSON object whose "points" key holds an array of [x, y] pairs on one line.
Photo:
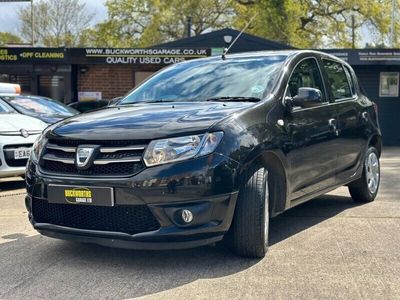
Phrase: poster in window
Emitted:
{"points": [[389, 84]]}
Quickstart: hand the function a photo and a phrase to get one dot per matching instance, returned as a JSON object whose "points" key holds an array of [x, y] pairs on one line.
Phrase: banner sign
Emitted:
{"points": [[367, 56], [33, 55], [135, 56], [163, 56]]}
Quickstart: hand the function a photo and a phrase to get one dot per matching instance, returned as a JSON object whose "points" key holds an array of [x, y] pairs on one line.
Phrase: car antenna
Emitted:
{"points": [[237, 37]]}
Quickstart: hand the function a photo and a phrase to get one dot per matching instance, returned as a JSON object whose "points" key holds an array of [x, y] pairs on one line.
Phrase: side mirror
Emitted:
{"points": [[306, 97]]}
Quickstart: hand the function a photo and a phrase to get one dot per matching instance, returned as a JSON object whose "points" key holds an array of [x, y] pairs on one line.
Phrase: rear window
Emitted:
{"points": [[338, 81]]}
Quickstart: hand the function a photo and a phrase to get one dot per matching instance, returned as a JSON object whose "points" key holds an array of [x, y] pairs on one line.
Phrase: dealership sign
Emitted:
{"points": [[25, 55], [367, 56], [112, 56], [136, 56]]}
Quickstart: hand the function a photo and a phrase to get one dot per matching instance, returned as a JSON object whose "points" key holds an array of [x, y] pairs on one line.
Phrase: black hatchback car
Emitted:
{"points": [[205, 149]]}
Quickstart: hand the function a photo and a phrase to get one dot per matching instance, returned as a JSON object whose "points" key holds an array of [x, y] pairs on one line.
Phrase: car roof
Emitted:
{"points": [[256, 54]]}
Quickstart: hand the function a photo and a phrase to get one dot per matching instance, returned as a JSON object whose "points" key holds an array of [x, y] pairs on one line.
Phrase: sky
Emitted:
{"points": [[9, 20]]}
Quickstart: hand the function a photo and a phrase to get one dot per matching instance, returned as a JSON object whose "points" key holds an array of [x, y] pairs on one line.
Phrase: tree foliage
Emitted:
{"points": [[9, 38], [149, 22], [316, 23], [142, 23], [56, 22]]}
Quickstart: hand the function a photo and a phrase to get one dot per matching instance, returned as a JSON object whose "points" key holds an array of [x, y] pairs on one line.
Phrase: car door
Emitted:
{"points": [[311, 151], [349, 115]]}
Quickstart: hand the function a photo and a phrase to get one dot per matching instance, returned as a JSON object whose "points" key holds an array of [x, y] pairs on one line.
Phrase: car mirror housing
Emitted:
{"points": [[306, 97]]}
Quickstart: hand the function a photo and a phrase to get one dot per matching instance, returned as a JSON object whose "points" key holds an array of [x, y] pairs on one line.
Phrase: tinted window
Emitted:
{"points": [[306, 74], [338, 81], [199, 80]]}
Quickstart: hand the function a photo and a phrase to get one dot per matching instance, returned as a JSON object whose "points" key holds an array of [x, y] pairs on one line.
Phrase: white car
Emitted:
{"points": [[17, 135]]}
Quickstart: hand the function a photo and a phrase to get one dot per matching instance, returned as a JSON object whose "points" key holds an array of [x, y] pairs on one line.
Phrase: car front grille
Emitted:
{"points": [[115, 158], [9, 155], [131, 219]]}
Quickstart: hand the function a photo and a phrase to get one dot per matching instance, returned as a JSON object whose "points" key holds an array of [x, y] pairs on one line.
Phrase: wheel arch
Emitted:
{"points": [[376, 141], [274, 162]]}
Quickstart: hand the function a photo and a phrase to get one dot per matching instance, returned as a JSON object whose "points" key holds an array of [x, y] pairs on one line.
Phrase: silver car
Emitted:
{"points": [[17, 135]]}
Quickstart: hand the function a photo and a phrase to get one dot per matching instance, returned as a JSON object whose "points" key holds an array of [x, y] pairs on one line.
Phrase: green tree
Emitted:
{"points": [[147, 22], [315, 23], [9, 38], [56, 23]]}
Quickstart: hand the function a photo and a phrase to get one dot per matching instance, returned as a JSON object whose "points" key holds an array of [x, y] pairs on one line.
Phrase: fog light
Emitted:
{"points": [[187, 216]]}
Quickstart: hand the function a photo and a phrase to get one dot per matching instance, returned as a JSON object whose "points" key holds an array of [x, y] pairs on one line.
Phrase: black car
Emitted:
{"points": [[205, 149], [45, 109]]}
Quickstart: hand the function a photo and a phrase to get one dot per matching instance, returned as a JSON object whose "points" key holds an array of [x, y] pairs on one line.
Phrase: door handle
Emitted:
{"points": [[333, 126]]}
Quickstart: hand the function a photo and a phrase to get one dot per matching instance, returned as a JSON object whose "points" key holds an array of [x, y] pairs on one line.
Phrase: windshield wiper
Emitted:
{"points": [[239, 99]]}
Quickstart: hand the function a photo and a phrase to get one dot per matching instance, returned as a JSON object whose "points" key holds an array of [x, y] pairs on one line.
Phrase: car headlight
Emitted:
{"points": [[38, 148], [39, 144], [176, 149]]}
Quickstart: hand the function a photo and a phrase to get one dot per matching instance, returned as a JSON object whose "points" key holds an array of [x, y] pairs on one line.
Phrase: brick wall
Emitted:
{"points": [[111, 81]]}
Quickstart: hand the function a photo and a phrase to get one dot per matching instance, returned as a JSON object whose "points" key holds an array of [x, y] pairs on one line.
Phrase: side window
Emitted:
{"points": [[337, 79], [306, 74]]}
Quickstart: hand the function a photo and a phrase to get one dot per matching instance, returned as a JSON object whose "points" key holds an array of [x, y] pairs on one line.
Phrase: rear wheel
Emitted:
{"points": [[251, 222], [366, 188]]}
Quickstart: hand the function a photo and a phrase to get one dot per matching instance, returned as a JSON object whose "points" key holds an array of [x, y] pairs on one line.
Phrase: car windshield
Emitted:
{"points": [[5, 108], [40, 106], [239, 79]]}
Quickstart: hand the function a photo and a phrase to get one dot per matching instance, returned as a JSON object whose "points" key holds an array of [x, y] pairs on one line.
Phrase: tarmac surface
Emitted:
{"points": [[327, 248]]}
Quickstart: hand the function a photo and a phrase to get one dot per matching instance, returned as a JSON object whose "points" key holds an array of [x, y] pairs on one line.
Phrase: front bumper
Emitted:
{"points": [[206, 186], [11, 142]]}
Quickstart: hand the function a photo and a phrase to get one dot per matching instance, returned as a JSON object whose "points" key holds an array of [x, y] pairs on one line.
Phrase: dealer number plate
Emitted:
{"points": [[22, 153], [80, 195]]}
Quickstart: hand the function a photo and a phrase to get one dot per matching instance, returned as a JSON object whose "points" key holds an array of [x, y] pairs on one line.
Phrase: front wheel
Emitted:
{"points": [[366, 188], [251, 222]]}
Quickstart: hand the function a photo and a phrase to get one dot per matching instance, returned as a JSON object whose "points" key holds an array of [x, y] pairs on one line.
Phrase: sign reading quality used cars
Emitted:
{"points": [[137, 56]]}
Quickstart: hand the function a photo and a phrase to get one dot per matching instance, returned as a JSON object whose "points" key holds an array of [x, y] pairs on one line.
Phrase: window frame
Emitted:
{"points": [[350, 79], [354, 96], [380, 85], [324, 92]]}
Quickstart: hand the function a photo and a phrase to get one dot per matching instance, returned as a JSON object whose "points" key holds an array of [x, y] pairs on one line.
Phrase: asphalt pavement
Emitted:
{"points": [[328, 248]]}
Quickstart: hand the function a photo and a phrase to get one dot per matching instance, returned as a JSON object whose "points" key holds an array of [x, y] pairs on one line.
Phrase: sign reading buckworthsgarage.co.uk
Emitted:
{"points": [[112, 56], [134, 56]]}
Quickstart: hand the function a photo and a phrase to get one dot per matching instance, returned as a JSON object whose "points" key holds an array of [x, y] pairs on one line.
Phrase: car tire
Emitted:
{"points": [[251, 221], [366, 188]]}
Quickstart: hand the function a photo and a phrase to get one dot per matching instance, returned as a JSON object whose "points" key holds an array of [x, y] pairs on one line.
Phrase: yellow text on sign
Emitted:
{"points": [[78, 193]]}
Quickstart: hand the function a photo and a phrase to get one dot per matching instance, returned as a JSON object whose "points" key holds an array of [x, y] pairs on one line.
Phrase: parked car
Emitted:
{"points": [[48, 110], [85, 106], [17, 135], [204, 149]]}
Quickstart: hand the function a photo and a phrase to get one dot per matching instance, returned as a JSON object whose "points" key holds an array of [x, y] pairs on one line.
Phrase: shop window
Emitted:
{"points": [[389, 84]]}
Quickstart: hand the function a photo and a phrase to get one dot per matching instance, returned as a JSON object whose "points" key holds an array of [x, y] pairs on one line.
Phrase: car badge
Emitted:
{"points": [[84, 156], [24, 133]]}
